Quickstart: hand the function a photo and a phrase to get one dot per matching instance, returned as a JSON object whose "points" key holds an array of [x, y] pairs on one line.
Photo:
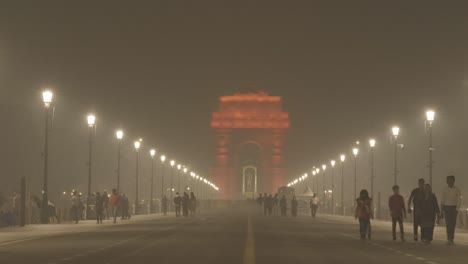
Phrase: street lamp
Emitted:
{"points": [[137, 146], [430, 116], [324, 167], [186, 179], [172, 179], [47, 97], [163, 159], [396, 133], [342, 159], [355, 153], [372, 143], [332, 163], [152, 154], [179, 167], [119, 134], [91, 124]]}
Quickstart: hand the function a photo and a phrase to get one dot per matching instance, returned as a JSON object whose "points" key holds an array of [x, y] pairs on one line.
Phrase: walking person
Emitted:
{"points": [[450, 203], [185, 205], [270, 204], [417, 198], [164, 203], [294, 204], [75, 207], [364, 213], [115, 203], [260, 200], [314, 205], [177, 203], [193, 204], [105, 204], [125, 205], [99, 207], [429, 215], [276, 204], [284, 206], [396, 203]]}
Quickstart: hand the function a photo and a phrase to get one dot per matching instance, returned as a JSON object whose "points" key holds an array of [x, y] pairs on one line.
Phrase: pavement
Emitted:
{"points": [[223, 236]]}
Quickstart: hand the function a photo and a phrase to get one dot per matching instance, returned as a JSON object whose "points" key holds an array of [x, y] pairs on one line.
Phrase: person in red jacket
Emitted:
{"points": [[115, 202], [396, 203]]}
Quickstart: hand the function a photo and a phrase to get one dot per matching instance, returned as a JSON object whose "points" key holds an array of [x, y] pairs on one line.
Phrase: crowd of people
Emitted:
{"points": [[270, 204]]}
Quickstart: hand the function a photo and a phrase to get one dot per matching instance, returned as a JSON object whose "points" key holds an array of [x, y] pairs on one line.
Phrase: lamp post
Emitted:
{"points": [[332, 163], [317, 171], [186, 179], [324, 167], [342, 159], [172, 179], [355, 153], [91, 124], [47, 99], [430, 115], [119, 134], [395, 132], [179, 167], [372, 146], [152, 154], [163, 159], [137, 146]]}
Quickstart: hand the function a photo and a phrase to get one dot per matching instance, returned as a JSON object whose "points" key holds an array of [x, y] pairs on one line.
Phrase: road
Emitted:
{"points": [[229, 237]]}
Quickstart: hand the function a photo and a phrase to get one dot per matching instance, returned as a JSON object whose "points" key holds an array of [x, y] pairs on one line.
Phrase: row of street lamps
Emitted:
{"points": [[430, 117], [47, 97]]}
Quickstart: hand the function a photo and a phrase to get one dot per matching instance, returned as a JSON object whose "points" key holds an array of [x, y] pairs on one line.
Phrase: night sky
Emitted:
{"points": [[347, 70]]}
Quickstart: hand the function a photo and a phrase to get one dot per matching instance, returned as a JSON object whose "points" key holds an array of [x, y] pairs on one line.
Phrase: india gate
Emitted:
{"points": [[250, 132]]}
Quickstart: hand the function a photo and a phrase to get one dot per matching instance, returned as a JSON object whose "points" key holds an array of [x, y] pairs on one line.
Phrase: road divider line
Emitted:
{"points": [[249, 253]]}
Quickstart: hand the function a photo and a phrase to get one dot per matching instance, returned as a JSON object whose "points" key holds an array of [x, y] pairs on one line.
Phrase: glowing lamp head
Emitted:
{"points": [[332, 162], [372, 143], [163, 158], [430, 116], [324, 167], [152, 153], [91, 120], [355, 152], [119, 134], [313, 173], [317, 170], [172, 163], [342, 158], [179, 167], [185, 170], [137, 145], [395, 131], [47, 97]]}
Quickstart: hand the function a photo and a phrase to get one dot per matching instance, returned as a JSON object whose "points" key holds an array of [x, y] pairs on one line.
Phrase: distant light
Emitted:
{"points": [[357, 142], [430, 115], [313, 173], [332, 162], [152, 153], [396, 131], [342, 158], [64, 193], [355, 151], [163, 158], [172, 163], [179, 167], [324, 167], [91, 120], [47, 97], [137, 145], [318, 170], [185, 170], [372, 143], [119, 134]]}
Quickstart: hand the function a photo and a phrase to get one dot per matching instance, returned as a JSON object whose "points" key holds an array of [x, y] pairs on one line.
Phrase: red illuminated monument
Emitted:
{"points": [[250, 131]]}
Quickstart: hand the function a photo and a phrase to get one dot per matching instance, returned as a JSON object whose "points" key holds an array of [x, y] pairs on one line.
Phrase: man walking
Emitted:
{"points": [[417, 197], [99, 207], [451, 201], [75, 208], [284, 206], [114, 201], [398, 211], [314, 205], [177, 204]]}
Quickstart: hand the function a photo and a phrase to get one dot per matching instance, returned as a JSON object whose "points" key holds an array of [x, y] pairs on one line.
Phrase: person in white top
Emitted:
{"points": [[451, 201], [314, 205]]}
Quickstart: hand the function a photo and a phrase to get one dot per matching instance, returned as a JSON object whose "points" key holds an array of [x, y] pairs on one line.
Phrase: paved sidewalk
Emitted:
{"points": [[10, 235], [461, 235]]}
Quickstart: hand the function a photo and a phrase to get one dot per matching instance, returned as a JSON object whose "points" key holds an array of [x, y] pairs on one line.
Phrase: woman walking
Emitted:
{"points": [[364, 213], [430, 213]]}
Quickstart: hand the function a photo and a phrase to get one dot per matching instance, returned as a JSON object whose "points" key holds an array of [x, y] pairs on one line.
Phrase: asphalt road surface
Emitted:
{"points": [[238, 236]]}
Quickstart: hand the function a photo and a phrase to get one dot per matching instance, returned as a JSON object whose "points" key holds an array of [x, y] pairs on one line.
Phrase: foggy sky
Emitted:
{"points": [[346, 71]]}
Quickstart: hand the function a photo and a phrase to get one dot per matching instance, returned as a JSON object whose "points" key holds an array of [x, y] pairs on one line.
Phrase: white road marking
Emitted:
{"points": [[419, 258]]}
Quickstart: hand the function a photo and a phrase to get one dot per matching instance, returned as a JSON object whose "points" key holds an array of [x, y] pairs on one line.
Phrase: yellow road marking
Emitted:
{"points": [[249, 254]]}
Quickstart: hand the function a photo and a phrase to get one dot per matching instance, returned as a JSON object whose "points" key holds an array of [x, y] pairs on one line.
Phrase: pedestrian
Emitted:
{"points": [[105, 204], [115, 201], [396, 203], [265, 204], [185, 205], [364, 213], [284, 206], [314, 205], [177, 203], [125, 207], [451, 202], [260, 202], [417, 198], [52, 213], [270, 204], [430, 213], [294, 205], [276, 204], [75, 207], [99, 207], [164, 203], [193, 204]]}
